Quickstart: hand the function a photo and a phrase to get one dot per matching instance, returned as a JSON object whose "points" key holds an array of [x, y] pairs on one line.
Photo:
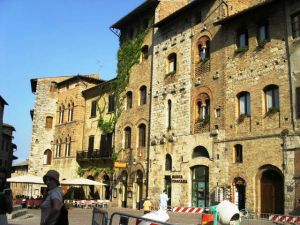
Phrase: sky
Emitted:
{"points": [[42, 38]]}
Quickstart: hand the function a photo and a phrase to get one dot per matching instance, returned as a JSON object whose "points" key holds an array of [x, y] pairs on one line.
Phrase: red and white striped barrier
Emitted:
{"points": [[187, 210], [284, 219]]}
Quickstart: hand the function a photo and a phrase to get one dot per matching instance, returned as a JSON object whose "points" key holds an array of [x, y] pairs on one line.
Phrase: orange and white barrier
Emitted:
{"points": [[187, 210], [284, 219]]}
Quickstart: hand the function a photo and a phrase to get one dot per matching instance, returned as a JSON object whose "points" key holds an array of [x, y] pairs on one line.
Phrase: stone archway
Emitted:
{"points": [[270, 190]]}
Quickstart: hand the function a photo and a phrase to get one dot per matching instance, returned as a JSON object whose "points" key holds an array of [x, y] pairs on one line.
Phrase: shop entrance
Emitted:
{"points": [[200, 192], [168, 188]]}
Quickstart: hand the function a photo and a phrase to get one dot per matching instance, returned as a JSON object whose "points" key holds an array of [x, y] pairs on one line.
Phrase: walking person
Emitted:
{"points": [[147, 205], [51, 206], [163, 201], [6, 204]]}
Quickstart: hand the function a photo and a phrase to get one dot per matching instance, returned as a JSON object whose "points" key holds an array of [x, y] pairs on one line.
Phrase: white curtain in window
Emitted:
{"points": [[242, 40], [262, 33], [269, 99], [203, 53], [45, 159], [242, 104], [171, 66]]}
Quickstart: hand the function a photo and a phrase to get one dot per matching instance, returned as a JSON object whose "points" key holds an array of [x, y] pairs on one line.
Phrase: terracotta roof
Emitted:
{"points": [[23, 163]]}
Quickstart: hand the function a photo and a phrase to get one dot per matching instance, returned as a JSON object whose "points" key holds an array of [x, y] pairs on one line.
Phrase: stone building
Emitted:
{"points": [[7, 146], [132, 128], [58, 119], [292, 15], [20, 169], [96, 157], [227, 77]]}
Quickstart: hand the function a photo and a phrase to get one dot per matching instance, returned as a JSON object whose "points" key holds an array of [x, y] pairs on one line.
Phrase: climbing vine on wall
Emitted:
{"points": [[128, 55]]}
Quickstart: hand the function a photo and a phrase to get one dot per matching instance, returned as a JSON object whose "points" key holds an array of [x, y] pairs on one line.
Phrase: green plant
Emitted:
{"points": [[80, 171], [242, 117], [242, 49], [272, 111], [261, 43]]}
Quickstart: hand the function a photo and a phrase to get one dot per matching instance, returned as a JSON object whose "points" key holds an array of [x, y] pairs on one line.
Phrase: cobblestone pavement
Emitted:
{"points": [[79, 216]]}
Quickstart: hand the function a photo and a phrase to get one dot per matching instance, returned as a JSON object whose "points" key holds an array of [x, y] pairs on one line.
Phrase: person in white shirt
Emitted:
{"points": [[163, 201]]}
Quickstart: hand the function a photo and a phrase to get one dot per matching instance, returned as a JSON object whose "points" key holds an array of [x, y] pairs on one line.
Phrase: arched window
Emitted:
{"points": [[168, 165], [47, 157], [200, 151], [61, 114], [272, 98], [68, 147], [169, 114], [129, 100], [172, 61], [143, 95], [244, 102], [70, 111], [127, 143], [203, 108], [238, 152], [204, 48], [145, 53], [49, 121], [142, 135]]}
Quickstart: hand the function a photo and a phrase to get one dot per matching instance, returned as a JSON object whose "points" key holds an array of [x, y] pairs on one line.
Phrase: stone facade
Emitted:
{"points": [[227, 141]]}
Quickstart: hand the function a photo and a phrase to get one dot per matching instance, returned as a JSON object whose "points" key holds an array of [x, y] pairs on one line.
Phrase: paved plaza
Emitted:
{"points": [[78, 216]]}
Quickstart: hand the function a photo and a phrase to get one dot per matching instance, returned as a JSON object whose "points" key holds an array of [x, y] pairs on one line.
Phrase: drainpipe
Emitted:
{"points": [[286, 38], [149, 122]]}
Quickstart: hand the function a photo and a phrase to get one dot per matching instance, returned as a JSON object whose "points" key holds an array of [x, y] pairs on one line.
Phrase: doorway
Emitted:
{"points": [[240, 192], [200, 192], [168, 188]]}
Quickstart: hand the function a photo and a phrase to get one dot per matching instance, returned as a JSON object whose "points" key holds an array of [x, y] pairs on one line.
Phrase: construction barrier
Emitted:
{"points": [[187, 210], [284, 219]]}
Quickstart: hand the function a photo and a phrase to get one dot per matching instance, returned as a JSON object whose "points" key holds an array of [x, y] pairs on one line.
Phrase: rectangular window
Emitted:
{"points": [[297, 102], [91, 143], [49, 121], [242, 39], [295, 19], [106, 143], [94, 109], [262, 32], [111, 103]]}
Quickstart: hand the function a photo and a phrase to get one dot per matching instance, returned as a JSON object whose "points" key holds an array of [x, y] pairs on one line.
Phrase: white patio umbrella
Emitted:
{"points": [[81, 182], [26, 179]]}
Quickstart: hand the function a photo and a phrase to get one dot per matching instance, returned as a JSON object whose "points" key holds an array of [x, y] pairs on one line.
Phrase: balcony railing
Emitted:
{"points": [[94, 154]]}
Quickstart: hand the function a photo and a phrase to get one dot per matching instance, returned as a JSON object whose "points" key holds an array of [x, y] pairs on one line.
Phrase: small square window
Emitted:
{"points": [[295, 20]]}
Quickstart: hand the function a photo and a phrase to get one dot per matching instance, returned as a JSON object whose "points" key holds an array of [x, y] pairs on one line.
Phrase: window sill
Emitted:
{"points": [[171, 73]]}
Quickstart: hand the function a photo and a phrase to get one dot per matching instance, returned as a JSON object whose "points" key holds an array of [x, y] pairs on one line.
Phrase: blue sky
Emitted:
{"points": [[40, 38]]}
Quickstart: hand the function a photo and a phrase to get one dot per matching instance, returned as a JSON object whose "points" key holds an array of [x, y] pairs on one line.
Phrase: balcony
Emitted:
{"points": [[95, 154]]}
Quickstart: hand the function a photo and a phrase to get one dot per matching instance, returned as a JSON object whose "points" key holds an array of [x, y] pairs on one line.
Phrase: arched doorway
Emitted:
{"points": [[239, 192], [271, 190], [200, 191], [139, 193], [107, 187], [124, 180]]}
